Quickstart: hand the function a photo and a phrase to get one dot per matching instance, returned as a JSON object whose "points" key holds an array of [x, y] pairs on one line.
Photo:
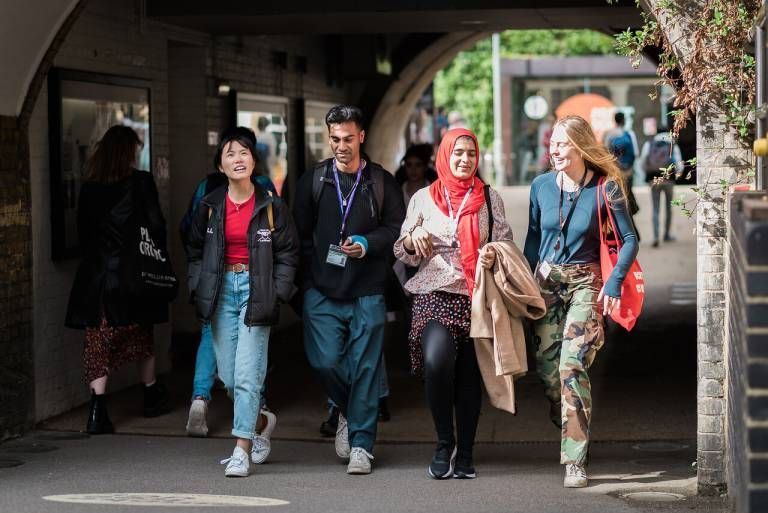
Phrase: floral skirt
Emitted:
{"points": [[451, 310], [107, 348]]}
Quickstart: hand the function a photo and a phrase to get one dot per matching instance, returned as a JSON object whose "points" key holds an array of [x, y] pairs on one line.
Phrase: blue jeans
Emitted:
{"points": [[343, 341], [667, 187], [205, 365], [241, 353]]}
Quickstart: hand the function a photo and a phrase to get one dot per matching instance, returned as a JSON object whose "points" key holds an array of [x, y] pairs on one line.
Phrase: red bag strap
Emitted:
{"points": [[599, 213], [601, 192]]}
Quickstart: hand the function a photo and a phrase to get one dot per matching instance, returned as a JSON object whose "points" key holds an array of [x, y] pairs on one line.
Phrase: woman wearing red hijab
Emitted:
{"points": [[444, 229]]}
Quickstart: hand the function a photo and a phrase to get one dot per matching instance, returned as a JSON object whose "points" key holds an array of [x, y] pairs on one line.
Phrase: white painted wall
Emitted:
{"points": [[26, 31], [107, 38]]}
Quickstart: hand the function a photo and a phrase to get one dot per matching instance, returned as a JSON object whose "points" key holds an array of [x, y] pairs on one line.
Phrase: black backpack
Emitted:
{"points": [[319, 179]]}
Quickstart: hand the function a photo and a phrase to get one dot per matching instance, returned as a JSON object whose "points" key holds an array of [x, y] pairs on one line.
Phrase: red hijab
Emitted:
{"points": [[468, 232]]}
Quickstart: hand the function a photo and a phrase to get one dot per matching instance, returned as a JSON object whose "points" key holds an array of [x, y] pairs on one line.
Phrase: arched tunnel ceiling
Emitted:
{"points": [[26, 32], [28, 28], [391, 16]]}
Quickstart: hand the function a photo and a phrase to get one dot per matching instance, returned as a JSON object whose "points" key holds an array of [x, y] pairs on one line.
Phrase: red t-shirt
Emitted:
{"points": [[236, 222]]}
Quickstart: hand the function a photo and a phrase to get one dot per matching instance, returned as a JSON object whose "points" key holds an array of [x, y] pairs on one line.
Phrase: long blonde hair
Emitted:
{"points": [[595, 155]]}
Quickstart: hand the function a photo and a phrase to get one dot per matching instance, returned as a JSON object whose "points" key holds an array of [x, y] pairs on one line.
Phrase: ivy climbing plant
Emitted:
{"points": [[718, 66]]}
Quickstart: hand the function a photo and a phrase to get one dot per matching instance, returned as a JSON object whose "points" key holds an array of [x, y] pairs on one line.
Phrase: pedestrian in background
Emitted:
{"points": [[243, 253], [623, 144], [445, 227], [563, 247], [348, 212], [118, 326], [656, 157]]}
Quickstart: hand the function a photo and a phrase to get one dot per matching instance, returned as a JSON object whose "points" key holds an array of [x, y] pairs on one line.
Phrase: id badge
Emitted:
{"points": [[336, 256], [544, 269]]}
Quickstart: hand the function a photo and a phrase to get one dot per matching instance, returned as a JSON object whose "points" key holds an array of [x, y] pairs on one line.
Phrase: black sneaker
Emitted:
{"points": [[556, 414], [328, 427], [443, 461], [384, 414], [464, 468], [156, 400]]}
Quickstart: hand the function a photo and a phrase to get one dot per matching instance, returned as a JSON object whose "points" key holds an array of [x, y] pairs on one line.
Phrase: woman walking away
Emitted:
{"points": [[445, 226], [243, 252], [118, 325], [563, 247]]}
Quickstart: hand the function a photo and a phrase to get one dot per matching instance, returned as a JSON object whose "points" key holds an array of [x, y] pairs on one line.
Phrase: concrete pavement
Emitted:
{"points": [[310, 478]]}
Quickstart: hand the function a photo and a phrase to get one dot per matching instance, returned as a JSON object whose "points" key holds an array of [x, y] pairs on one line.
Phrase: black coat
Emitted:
{"points": [[104, 225], [272, 257]]}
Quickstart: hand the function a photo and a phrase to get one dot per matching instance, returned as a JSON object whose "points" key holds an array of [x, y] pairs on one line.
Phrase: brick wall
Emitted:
{"points": [[720, 155], [16, 378], [747, 349]]}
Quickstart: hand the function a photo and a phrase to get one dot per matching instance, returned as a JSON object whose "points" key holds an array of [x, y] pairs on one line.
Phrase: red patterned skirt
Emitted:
{"points": [[451, 310], [107, 348]]}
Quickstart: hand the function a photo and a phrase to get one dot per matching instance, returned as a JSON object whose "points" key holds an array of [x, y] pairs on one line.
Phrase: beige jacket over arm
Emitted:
{"points": [[503, 297]]}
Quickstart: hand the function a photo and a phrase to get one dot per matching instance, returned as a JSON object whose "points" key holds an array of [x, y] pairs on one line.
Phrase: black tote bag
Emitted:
{"points": [[146, 270]]}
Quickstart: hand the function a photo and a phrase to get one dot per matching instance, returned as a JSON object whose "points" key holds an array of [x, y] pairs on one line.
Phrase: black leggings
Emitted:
{"points": [[452, 380]]}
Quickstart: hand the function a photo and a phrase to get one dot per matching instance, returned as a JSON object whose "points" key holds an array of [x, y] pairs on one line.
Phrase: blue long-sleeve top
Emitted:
{"points": [[580, 242]]}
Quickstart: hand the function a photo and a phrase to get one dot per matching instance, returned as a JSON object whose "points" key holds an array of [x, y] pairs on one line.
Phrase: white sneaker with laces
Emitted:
{"points": [[575, 476], [342, 438], [196, 422], [359, 461], [262, 444], [237, 464]]}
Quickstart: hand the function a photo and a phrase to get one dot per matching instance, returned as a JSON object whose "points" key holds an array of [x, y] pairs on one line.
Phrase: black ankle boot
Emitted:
{"points": [[155, 400], [98, 420]]}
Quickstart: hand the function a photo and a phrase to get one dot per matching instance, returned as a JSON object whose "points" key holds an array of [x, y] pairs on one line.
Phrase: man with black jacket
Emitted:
{"points": [[348, 213]]}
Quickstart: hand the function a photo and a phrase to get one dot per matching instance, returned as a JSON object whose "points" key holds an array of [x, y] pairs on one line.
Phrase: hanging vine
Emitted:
{"points": [[718, 67]]}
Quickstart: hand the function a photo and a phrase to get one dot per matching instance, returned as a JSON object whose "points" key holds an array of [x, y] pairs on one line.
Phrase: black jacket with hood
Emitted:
{"points": [[272, 256]]}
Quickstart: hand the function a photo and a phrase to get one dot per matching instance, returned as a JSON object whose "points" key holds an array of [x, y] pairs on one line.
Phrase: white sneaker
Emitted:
{"points": [[342, 438], [261, 442], [359, 461], [237, 464], [575, 476], [196, 422]]}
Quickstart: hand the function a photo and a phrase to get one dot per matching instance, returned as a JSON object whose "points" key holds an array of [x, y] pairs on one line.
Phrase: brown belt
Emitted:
{"points": [[236, 268]]}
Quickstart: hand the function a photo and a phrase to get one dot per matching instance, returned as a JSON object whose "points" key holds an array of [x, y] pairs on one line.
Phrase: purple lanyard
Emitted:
{"points": [[346, 204]]}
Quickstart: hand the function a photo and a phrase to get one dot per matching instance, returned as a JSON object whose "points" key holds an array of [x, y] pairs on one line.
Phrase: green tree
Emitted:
{"points": [[465, 84]]}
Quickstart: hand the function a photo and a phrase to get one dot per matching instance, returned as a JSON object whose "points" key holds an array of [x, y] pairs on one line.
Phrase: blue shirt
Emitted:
{"points": [[580, 242]]}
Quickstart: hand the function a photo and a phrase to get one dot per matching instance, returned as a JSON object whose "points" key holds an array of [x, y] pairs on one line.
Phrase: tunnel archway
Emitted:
{"points": [[389, 122]]}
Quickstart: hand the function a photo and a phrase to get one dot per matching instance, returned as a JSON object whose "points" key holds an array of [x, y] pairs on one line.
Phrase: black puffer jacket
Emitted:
{"points": [[104, 225], [272, 256]]}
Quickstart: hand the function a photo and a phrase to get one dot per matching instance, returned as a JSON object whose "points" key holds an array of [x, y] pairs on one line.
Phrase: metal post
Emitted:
{"points": [[761, 175], [498, 165]]}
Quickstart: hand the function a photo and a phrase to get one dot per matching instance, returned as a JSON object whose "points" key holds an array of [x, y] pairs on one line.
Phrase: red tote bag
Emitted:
{"points": [[633, 288]]}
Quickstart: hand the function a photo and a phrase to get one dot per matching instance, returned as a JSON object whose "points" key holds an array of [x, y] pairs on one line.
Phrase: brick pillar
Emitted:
{"points": [[747, 353], [16, 376], [720, 155]]}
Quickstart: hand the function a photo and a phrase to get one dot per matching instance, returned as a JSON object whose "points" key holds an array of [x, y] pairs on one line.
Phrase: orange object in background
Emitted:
{"points": [[596, 109]]}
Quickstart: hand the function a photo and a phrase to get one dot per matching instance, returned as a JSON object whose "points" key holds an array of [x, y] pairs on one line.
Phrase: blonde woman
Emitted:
{"points": [[563, 247]]}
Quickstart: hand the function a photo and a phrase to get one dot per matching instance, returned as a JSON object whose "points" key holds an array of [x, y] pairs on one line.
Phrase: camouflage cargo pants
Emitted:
{"points": [[566, 340]]}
